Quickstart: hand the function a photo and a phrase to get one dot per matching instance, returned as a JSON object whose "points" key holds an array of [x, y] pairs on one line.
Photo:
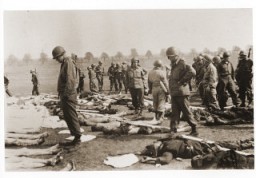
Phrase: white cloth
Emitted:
{"points": [[122, 161], [84, 138]]}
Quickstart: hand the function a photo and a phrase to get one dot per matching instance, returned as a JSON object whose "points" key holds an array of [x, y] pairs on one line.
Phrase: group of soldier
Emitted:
{"points": [[215, 78]]}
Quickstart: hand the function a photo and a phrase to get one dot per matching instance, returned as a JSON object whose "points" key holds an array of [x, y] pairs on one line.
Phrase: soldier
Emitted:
{"points": [[244, 78], [111, 74], [35, 82], [200, 70], [99, 74], [6, 83], [216, 60], [80, 87], [67, 84], [118, 77], [181, 74], [226, 82], [137, 85], [92, 78], [124, 79], [156, 81], [209, 84]]}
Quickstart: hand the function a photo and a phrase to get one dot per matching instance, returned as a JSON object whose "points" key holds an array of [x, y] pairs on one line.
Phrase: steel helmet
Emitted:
{"points": [[134, 60], [242, 54], [58, 51], [226, 54], [216, 59], [158, 63], [207, 57], [171, 51]]}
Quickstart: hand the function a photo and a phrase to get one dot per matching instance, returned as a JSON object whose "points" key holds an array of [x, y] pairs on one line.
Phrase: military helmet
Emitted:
{"points": [[100, 62], [207, 57], [242, 54], [58, 51], [171, 51], [216, 59], [225, 55], [93, 65], [158, 63], [135, 59]]}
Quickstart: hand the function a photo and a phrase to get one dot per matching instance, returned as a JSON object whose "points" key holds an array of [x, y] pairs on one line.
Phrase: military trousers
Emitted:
{"points": [[245, 90], [113, 83], [159, 98], [100, 82], [35, 90], [137, 95], [180, 104], [68, 105]]}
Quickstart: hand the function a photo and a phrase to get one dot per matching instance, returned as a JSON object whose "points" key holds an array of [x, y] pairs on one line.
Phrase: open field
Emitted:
{"points": [[90, 155]]}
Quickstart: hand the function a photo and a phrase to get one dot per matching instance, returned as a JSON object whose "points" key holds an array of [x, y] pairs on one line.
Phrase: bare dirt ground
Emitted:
{"points": [[90, 155]]}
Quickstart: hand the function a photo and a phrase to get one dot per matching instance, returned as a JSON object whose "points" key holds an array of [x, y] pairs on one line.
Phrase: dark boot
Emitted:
{"points": [[76, 141], [194, 132], [140, 112]]}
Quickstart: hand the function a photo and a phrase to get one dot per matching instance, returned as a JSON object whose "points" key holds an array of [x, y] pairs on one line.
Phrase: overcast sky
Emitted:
{"points": [[111, 31]]}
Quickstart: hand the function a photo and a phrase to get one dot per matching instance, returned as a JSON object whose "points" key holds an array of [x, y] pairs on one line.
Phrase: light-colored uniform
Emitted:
{"points": [[156, 76]]}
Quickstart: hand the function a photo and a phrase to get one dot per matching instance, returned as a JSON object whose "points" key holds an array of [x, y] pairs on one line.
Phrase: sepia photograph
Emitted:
{"points": [[128, 89]]}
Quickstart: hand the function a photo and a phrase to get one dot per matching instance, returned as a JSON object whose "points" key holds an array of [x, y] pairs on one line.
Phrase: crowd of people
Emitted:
{"points": [[215, 78]]}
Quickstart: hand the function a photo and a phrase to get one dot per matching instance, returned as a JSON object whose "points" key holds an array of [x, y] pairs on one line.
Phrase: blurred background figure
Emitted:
{"points": [[35, 81], [6, 83]]}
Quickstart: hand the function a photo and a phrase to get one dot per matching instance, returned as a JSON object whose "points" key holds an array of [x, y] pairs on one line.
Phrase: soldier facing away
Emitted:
{"points": [[112, 80], [92, 78], [99, 74]]}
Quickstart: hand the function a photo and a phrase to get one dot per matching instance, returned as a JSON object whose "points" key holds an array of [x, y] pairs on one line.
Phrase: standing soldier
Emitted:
{"points": [[156, 81], [226, 82], [67, 84], [80, 87], [137, 85], [35, 83], [119, 77], [92, 78], [124, 79], [216, 60], [6, 83], [181, 74], [244, 78], [209, 83], [99, 74], [111, 74]]}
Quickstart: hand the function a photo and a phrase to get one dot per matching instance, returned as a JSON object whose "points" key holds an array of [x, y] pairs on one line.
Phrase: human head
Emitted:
{"points": [[172, 54], [100, 63], [73, 56], [92, 66], [134, 62], [242, 55], [226, 55], [207, 59], [216, 59], [152, 149], [158, 63], [58, 53]]}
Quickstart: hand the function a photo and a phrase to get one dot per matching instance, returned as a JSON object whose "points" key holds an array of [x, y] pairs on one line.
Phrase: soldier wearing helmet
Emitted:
{"points": [[112, 79], [35, 81], [137, 85], [92, 78], [209, 84], [99, 74], [181, 74], [226, 82], [67, 84], [216, 60], [156, 80], [244, 76]]}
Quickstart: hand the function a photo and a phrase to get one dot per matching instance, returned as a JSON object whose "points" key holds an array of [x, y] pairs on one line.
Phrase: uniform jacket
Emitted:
{"points": [[68, 78], [35, 79], [155, 76], [210, 76], [136, 77], [111, 71], [244, 69], [92, 74], [99, 70], [225, 68], [181, 74]]}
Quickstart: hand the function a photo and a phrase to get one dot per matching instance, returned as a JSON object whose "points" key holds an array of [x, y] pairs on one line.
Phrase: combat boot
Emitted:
{"points": [[194, 132], [140, 112]]}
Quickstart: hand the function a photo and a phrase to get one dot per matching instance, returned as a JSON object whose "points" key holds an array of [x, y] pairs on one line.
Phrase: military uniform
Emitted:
{"points": [[226, 82], [209, 83], [111, 74], [6, 83], [118, 77], [92, 80], [99, 74], [156, 76], [67, 84], [35, 82], [136, 83], [124, 79], [80, 87], [244, 79], [200, 70], [181, 74]]}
